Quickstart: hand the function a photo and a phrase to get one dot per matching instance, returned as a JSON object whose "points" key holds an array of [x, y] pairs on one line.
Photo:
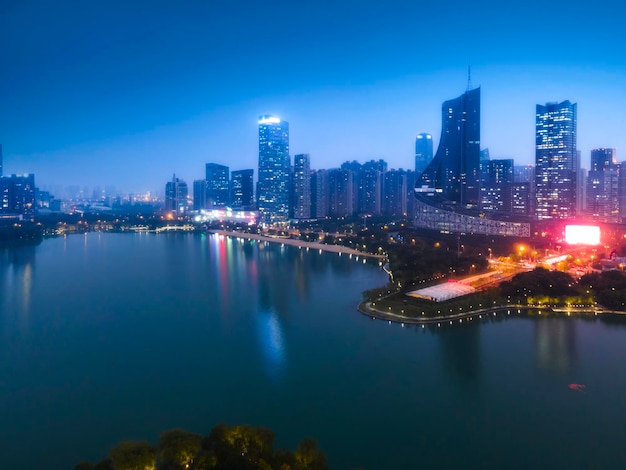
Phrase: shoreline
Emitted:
{"points": [[298, 243], [365, 308]]}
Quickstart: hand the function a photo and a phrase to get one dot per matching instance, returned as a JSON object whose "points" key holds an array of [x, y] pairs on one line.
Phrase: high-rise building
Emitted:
{"points": [[556, 160], [242, 188], [395, 195], [497, 190], [199, 195], [302, 186], [319, 194], [453, 176], [1, 160], [17, 196], [602, 186], [423, 151], [217, 185], [176, 193], [341, 192], [274, 169]]}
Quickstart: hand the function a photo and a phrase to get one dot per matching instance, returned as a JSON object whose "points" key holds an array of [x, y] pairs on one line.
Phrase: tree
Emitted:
{"points": [[309, 456], [178, 448], [133, 455]]}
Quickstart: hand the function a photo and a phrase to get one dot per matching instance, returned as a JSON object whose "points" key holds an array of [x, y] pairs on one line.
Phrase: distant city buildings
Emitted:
{"points": [[176, 193], [556, 161], [274, 169]]}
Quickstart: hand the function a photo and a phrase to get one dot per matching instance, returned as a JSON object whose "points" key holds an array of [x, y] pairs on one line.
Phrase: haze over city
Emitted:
{"points": [[108, 93]]}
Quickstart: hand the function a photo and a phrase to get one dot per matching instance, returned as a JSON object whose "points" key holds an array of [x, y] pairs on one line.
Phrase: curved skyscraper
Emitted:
{"points": [[448, 191], [452, 178]]}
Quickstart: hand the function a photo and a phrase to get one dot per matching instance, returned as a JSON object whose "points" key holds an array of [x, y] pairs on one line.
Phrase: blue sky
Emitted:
{"points": [[127, 93]]}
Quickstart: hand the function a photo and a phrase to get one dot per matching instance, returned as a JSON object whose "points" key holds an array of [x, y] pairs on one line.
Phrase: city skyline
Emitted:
{"points": [[117, 94]]}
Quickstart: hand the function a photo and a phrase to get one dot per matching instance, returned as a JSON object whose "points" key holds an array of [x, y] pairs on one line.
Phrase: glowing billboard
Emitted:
{"points": [[582, 234]]}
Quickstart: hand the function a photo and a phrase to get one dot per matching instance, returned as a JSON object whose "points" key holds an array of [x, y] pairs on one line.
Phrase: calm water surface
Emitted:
{"points": [[112, 336]]}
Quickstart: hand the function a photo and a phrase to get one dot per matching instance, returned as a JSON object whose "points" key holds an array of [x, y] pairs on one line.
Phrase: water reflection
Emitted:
{"points": [[555, 345], [16, 278], [271, 342], [461, 352]]}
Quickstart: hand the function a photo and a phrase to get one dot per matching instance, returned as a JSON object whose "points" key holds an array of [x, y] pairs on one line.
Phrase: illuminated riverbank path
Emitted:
{"points": [[299, 243]]}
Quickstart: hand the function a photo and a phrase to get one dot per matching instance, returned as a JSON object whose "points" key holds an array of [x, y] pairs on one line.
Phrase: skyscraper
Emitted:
{"points": [[217, 185], [556, 160], [242, 188], [423, 151], [199, 195], [1, 160], [302, 186], [274, 169], [452, 178], [602, 186]]}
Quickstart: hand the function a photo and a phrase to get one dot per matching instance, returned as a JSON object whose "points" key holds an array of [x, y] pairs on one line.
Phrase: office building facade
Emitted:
{"points": [[242, 188], [602, 195], [423, 151], [217, 185], [556, 161], [274, 169], [302, 186], [452, 178], [17, 196]]}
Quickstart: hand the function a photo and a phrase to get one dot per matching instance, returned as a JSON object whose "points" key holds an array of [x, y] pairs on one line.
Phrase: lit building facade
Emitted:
{"points": [[17, 196], [602, 186], [302, 186], [242, 188], [176, 193], [423, 151], [217, 185], [497, 189], [274, 169], [320, 198], [556, 161], [199, 195]]}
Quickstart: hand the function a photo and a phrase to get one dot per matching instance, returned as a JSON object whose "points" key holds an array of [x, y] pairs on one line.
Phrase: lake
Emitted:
{"points": [[106, 337]]}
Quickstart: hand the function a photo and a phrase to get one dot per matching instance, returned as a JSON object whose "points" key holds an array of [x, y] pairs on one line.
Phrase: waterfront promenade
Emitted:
{"points": [[298, 243], [369, 309]]}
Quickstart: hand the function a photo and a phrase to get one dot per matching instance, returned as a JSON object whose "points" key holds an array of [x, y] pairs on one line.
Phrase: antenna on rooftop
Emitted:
{"points": [[469, 75]]}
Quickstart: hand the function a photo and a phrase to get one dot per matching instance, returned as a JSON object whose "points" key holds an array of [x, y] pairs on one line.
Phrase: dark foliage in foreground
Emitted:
{"points": [[225, 448], [609, 288]]}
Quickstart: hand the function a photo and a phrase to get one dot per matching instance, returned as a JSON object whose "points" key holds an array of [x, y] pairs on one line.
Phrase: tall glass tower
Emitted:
{"points": [[218, 185], [302, 186], [274, 169], [556, 160]]}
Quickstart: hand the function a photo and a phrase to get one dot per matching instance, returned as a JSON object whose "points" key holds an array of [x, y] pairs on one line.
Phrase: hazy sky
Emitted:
{"points": [[127, 93]]}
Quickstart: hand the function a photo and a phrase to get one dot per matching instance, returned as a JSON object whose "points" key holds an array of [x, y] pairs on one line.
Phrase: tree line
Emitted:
{"points": [[240, 447]]}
